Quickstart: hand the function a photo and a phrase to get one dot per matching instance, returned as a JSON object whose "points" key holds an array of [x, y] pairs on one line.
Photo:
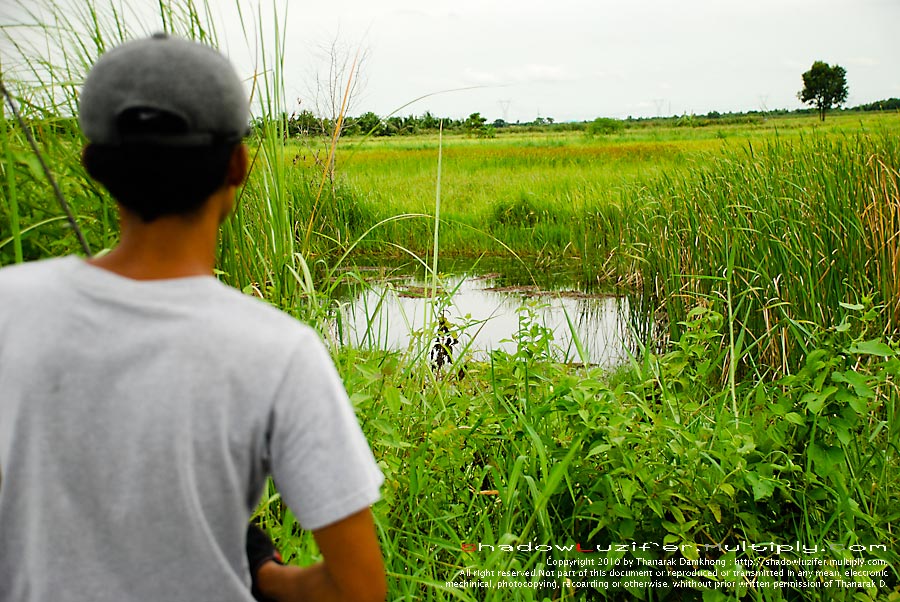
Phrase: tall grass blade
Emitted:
{"points": [[70, 217]]}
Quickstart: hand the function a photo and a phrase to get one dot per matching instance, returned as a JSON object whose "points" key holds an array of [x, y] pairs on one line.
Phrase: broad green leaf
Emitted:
{"points": [[671, 527], [747, 445], [859, 406], [794, 418], [599, 449], [872, 347], [34, 165], [690, 551], [762, 488], [629, 488], [842, 432], [858, 381], [814, 401], [852, 306], [826, 459], [392, 399]]}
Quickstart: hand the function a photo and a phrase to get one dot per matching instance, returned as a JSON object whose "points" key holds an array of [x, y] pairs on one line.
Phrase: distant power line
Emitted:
{"points": [[504, 108], [659, 102]]}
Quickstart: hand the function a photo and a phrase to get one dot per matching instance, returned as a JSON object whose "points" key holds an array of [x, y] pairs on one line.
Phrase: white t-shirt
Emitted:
{"points": [[138, 422]]}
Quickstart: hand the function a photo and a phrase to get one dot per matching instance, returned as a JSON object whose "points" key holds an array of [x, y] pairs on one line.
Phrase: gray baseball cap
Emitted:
{"points": [[164, 91]]}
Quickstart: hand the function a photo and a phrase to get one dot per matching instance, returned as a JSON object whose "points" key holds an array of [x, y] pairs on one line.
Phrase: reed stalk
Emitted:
{"points": [[15, 233]]}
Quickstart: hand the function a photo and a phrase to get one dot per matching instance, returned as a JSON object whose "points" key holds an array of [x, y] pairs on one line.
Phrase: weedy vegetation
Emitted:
{"points": [[762, 258]]}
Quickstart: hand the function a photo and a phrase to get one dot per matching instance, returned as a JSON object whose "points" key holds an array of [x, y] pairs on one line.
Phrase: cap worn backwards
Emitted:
{"points": [[163, 90]]}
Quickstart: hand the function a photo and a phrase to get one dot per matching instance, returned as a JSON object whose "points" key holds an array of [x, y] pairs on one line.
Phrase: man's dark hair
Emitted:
{"points": [[153, 181], [161, 145]]}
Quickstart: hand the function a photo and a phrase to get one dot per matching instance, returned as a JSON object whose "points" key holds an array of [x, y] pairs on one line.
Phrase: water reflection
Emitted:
{"points": [[385, 315]]}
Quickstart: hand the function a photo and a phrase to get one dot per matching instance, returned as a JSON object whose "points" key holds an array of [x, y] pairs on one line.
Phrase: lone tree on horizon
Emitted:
{"points": [[824, 86]]}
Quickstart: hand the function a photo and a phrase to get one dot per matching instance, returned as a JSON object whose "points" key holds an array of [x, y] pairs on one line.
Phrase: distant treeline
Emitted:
{"points": [[306, 123], [891, 104]]}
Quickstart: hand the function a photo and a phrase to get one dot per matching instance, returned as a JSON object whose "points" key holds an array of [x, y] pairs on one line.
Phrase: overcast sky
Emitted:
{"points": [[579, 59], [572, 59]]}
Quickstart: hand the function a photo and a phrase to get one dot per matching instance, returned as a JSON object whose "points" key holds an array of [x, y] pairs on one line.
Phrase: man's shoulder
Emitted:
{"points": [[254, 337], [18, 280], [237, 303], [31, 270], [249, 317]]}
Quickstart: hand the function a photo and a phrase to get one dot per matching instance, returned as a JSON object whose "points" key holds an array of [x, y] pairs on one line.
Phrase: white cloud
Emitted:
{"points": [[863, 61], [537, 73], [482, 78], [795, 65]]}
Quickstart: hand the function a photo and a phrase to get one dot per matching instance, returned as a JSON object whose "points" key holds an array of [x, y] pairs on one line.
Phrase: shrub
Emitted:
{"points": [[603, 126]]}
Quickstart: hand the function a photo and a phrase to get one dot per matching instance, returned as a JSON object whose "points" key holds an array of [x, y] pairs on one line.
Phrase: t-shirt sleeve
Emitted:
{"points": [[320, 460]]}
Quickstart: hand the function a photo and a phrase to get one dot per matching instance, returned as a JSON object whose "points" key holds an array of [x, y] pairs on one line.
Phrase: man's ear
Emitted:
{"points": [[85, 159], [237, 166]]}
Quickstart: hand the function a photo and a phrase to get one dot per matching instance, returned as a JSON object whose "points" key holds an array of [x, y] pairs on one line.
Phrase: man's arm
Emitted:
{"points": [[351, 569]]}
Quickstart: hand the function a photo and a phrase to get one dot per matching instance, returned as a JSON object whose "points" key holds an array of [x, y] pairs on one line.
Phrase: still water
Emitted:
{"points": [[484, 313]]}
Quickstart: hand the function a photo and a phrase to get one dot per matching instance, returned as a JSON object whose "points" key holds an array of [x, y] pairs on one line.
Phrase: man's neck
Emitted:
{"points": [[148, 264], [167, 247]]}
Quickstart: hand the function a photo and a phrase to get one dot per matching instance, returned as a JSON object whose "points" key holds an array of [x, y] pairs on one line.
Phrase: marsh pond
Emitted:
{"points": [[478, 307]]}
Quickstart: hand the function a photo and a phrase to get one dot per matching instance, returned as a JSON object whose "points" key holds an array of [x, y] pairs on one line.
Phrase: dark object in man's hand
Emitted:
{"points": [[260, 550]]}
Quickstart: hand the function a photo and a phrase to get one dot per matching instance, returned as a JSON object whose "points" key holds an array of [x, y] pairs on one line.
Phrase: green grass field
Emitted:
{"points": [[527, 190], [766, 413]]}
